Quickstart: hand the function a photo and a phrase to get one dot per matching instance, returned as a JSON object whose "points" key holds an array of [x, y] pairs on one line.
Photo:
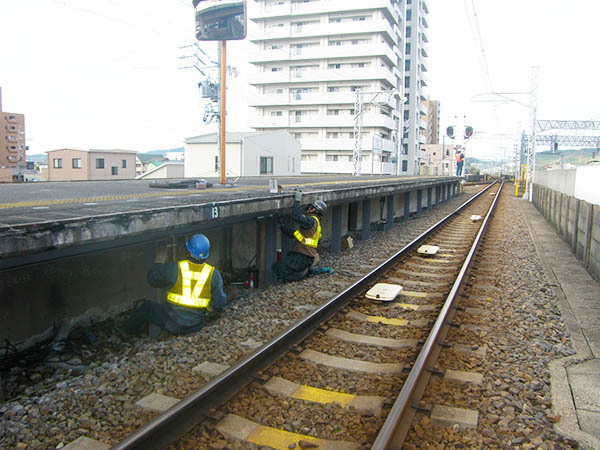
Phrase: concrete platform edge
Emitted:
{"points": [[563, 404]]}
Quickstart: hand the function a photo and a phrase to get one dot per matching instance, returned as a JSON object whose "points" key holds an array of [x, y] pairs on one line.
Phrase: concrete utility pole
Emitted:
{"points": [[223, 110], [535, 71]]}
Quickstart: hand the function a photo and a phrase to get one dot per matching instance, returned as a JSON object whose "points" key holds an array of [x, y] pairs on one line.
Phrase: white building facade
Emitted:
{"points": [[247, 154], [415, 79], [312, 58]]}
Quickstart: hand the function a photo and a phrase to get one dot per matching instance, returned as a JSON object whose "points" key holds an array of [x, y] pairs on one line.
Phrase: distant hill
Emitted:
{"points": [[163, 152], [575, 157], [41, 158]]}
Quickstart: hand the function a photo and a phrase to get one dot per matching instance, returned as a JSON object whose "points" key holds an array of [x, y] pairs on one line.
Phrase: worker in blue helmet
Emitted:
{"points": [[296, 264], [195, 292]]}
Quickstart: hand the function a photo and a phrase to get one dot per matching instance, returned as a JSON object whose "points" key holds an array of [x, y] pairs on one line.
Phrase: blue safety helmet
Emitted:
{"points": [[198, 246]]}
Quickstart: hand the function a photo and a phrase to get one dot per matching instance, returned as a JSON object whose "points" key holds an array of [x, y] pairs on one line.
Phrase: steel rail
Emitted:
{"points": [[398, 421], [187, 413]]}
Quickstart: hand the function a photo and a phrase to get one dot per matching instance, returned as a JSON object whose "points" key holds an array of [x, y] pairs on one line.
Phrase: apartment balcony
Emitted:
{"points": [[316, 98], [323, 75], [322, 7], [330, 51], [423, 78], [331, 29], [320, 121], [12, 150]]}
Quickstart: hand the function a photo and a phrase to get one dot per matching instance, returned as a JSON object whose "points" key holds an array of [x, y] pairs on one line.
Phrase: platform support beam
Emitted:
{"points": [[336, 229], [419, 201], [366, 220], [429, 198], [266, 242], [406, 213], [389, 204]]}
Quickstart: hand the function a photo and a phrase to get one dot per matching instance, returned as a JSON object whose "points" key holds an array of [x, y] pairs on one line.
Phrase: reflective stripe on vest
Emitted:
{"points": [[200, 296], [310, 241]]}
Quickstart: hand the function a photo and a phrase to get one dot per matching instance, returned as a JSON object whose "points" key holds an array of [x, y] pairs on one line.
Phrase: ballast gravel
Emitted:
{"points": [[100, 402]]}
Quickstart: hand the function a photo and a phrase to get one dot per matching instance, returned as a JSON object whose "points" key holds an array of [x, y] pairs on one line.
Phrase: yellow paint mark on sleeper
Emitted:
{"points": [[278, 439], [317, 395], [386, 321]]}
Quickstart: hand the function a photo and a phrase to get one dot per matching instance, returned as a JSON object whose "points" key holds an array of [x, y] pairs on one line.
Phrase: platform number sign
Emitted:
{"points": [[214, 212]]}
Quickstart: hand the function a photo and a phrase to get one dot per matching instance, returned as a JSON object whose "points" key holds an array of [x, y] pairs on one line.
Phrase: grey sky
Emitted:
{"points": [[105, 73]]}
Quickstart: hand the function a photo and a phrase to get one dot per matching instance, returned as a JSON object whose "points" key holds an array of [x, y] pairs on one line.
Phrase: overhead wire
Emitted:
{"points": [[115, 19]]}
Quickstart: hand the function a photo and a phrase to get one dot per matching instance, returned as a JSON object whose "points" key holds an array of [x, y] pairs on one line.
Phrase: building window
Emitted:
{"points": [[114, 170], [408, 32], [123, 164], [57, 163], [333, 112], [331, 157], [277, 113], [76, 163], [266, 165], [216, 163], [334, 66], [404, 165], [99, 163]]}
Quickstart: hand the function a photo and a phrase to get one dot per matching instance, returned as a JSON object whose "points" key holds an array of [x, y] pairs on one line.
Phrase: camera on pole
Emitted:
{"points": [[220, 20]]}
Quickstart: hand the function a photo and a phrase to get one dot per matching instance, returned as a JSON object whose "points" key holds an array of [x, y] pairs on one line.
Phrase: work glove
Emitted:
{"points": [[297, 195]]}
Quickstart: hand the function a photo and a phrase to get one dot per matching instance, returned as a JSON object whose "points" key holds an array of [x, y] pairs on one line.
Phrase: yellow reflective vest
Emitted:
{"points": [[193, 287], [309, 241]]}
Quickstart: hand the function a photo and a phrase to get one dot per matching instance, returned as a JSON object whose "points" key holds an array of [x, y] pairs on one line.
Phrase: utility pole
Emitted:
{"points": [[531, 147], [223, 110]]}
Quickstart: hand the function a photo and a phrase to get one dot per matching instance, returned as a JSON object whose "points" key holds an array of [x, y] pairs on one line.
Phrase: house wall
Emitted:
{"points": [[111, 160], [200, 160], [67, 172], [280, 145]]}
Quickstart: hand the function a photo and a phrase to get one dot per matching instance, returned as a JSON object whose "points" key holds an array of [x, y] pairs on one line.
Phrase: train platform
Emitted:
{"points": [[575, 380]]}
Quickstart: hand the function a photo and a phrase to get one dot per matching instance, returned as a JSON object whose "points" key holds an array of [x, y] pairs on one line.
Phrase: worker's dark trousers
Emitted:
{"points": [[148, 311], [293, 267]]}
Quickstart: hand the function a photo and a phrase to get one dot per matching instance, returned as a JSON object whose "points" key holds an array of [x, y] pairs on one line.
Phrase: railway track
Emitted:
{"points": [[349, 374]]}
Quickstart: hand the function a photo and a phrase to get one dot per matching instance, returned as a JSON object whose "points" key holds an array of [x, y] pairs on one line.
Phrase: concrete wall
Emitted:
{"points": [[581, 182], [576, 221]]}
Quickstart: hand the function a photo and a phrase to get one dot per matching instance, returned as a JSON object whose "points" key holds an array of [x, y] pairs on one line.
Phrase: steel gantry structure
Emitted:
{"points": [[545, 125]]}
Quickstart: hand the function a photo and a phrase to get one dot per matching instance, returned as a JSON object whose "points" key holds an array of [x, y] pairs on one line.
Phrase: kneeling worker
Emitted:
{"points": [[294, 266], [195, 292]]}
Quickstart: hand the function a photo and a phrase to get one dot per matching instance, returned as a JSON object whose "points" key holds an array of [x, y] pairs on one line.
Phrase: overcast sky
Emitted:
{"points": [[106, 73]]}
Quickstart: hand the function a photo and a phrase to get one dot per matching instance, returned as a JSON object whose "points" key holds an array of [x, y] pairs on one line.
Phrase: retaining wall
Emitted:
{"points": [[576, 221]]}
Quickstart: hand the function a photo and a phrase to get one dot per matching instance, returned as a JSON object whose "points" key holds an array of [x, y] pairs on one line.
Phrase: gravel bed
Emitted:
{"points": [[526, 333], [59, 405]]}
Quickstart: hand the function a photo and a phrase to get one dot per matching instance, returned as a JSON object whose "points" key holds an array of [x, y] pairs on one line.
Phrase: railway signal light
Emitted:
{"points": [[468, 132], [450, 132]]}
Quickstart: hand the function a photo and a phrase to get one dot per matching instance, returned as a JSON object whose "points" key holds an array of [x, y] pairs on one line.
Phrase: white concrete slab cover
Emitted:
{"points": [[353, 365], [239, 428], [157, 402], [210, 369], [85, 443], [428, 250], [448, 416], [370, 340], [459, 376], [385, 292]]}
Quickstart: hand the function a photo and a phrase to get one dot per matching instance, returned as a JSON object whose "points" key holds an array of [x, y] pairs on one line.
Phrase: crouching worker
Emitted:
{"points": [[294, 266], [195, 292]]}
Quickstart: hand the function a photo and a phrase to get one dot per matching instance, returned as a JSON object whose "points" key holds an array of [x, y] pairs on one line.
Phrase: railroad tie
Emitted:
{"points": [[241, 429], [370, 340], [386, 320], [364, 404], [85, 443], [353, 365]]}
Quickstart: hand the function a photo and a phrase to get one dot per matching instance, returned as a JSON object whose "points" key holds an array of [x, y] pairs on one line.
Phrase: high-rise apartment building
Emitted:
{"points": [[432, 120], [415, 80], [12, 144], [314, 59]]}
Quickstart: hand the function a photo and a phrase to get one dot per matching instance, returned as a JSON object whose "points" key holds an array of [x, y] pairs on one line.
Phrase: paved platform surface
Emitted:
{"points": [[25, 203], [575, 379]]}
